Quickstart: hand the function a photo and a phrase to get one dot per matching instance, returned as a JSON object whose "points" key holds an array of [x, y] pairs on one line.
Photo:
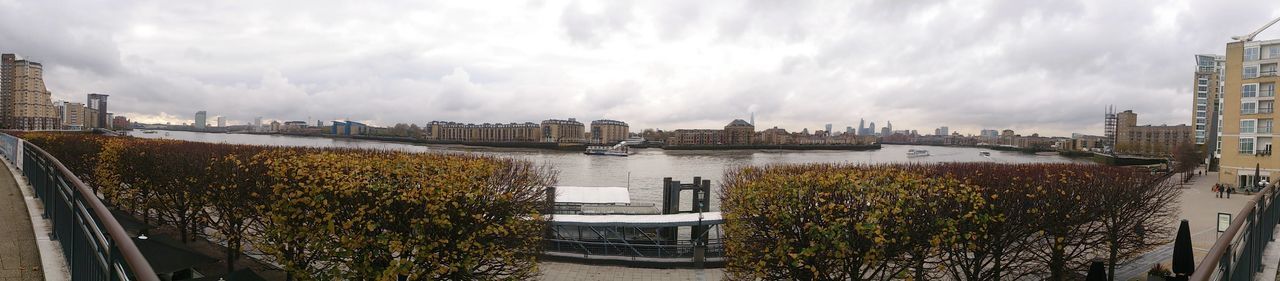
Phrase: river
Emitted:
{"points": [[643, 171]]}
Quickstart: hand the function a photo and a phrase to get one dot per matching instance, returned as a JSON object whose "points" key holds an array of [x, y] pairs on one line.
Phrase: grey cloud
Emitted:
{"points": [[1046, 66]]}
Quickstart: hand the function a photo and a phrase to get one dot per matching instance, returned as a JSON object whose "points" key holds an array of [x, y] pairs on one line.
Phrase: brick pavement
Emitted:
{"points": [[19, 257]]}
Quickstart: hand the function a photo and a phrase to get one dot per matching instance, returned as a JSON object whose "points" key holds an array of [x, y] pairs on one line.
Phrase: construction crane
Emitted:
{"points": [[1247, 38]]}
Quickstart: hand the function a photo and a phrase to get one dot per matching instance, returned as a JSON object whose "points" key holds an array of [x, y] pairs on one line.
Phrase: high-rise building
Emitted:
{"points": [[862, 126], [1248, 112], [1206, 103], [201, 120], [828, 126], [871, 130], [943, 131], [222, 121], [28, 105], [98, 102]]}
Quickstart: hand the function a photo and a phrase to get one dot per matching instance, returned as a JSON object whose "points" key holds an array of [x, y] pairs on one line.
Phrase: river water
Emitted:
{"points": [[643, 171]]}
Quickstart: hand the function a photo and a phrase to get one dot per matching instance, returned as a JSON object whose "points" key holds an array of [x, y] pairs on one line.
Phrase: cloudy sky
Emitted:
{"points": [[1046, 66]]}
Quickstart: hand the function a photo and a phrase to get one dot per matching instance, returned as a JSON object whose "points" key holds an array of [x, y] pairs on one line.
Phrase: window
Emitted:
{"points": [[1248, 108], [1201, 114], [1202, 82], [1246, 145], [1268, 70], [1273, 51], [1249, 90], [1266, 107], [1251, 53], [1250, 72], [1264, 126], [1267, 90], [1201, 107], [1247, 126]]}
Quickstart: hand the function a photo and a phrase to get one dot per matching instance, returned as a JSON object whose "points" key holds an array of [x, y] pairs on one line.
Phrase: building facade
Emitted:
{"points": [[1149, 140], [563, 131], [222, 121], [73, 116], [201, 120], [1248, 113], [98, 102], [466, 132], [349, 128], [28, 105], [739, 132], [606, 131], [120, 123], [1206, 102]]}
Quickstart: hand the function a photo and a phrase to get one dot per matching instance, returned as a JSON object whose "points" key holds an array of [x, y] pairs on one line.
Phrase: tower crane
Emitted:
{"points": [[1247, 38]]}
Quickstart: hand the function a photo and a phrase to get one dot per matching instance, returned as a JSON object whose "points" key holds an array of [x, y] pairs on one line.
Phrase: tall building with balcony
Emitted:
{"points": [[563, 131], [1248, 112], [28, 105], [606, 131], [202, 120], [222, 121], [1206, 102]]}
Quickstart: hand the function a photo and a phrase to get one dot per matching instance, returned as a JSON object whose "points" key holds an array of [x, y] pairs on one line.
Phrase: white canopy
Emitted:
{"points": [[592, 194], [685, 219]]}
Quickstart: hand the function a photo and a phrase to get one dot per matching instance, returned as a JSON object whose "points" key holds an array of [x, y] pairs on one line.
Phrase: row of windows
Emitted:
{"points": [[1247, 146]]}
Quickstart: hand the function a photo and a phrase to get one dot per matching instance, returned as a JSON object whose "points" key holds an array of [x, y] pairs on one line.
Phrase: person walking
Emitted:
{"points": [[1229, 191], [1217, 191]]}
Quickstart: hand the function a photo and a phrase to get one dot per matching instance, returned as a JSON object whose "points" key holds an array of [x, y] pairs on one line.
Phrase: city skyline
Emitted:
{"points": [[686, 65]]}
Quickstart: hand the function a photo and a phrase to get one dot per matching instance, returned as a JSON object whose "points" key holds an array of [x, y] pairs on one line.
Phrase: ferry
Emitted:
{"points": [[985, 154], [917, 153], [620, 149]]}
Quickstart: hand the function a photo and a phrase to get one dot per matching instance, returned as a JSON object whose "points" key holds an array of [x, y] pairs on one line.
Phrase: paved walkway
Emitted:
{"points": [[19, 257], [573, 271], [1200, 208]]}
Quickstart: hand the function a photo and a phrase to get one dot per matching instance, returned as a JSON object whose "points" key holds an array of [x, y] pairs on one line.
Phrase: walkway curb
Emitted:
{"points": [[52, 262]]}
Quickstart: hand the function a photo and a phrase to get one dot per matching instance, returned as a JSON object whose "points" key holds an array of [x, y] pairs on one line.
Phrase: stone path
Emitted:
{"points": [[19, 257]]}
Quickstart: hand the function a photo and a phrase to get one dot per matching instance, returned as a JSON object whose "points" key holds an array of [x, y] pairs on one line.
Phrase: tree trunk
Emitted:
{"points": [[1112, 260]]}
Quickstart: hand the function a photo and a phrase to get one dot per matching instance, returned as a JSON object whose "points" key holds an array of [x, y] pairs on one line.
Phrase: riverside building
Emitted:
{"points": [[607, 131], [1147, 139], [1248, 112], [27, 104]]}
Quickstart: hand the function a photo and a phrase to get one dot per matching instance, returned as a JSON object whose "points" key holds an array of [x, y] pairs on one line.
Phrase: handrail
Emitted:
{"points": [[124, 245], [1213, 260]]}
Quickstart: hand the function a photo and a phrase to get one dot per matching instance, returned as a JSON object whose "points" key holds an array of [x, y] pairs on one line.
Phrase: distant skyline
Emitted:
{"points": [[1048, 67]]}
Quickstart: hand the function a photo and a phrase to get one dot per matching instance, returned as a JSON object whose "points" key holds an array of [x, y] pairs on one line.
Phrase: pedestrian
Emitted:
{"points": [[1217, 192], [1230, 190]]}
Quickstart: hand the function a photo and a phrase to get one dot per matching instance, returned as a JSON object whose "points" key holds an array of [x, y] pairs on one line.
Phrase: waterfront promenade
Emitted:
{"points": [[19, 255], [1200, 208]]}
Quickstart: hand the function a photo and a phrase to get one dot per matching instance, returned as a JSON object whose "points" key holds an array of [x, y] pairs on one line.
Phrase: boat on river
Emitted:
{"points": [[917, 152], [619, 149], [984, 153]]}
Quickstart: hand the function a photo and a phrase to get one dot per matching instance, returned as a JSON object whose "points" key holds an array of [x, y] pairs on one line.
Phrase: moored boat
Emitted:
{"points": [[917, 153]]}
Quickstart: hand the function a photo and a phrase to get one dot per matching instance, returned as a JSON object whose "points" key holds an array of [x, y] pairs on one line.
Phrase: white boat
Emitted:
{"points": [[148, 131], [619, 149], [917, 153], [985, 153]]}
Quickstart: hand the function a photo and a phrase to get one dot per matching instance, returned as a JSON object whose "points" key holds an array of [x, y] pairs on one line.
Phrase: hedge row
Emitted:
{"points": [[327, 213], [957, 221]]}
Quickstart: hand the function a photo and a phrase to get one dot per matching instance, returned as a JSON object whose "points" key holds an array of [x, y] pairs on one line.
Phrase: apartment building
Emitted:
{"points": [[1206, 102], [1248, 112]]}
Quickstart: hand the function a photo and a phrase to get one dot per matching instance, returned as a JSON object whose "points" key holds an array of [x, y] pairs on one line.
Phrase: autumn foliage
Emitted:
{"points": [[326, 214], [956, 221]]}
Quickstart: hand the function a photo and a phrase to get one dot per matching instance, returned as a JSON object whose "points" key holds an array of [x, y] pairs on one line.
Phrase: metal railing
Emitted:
{"points": [[94, 244], [1237, 255]]}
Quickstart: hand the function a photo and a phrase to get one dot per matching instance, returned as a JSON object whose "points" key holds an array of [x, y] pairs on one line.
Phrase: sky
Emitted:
{"points": [[1049, 67]]}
